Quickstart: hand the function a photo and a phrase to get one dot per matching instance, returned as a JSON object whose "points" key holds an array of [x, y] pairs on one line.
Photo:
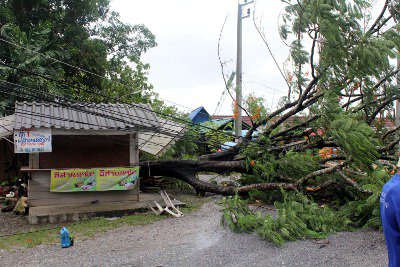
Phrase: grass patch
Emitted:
{"points": [[86, 229]]}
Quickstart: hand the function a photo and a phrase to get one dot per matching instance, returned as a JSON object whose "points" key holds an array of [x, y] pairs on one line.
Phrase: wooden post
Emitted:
{"points": [[134, 154], [33, 164], [34, 161], [133, 149]]}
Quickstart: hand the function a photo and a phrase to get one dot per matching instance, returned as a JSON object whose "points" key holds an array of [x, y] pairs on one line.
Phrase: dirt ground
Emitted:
{"points": [[199, 240]]}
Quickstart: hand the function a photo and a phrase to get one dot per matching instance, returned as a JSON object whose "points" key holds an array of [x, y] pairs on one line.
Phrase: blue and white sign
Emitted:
{"points": [[32, 140]]}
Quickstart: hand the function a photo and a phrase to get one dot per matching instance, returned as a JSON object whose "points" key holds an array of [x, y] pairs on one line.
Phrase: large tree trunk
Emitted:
{"points": [[185, 170]]}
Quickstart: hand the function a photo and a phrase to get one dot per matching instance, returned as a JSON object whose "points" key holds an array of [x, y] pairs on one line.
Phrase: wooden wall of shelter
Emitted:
{"points": [[81, 151]]}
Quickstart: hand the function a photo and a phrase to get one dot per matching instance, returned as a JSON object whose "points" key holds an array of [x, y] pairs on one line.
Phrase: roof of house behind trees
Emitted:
{"points": [[199, 115]]}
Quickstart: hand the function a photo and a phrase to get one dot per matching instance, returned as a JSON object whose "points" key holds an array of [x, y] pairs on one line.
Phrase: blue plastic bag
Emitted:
{"points": [[66, 240]]}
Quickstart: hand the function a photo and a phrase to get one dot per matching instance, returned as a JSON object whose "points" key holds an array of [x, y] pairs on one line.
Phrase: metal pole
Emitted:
{"points": [[238, 120]]}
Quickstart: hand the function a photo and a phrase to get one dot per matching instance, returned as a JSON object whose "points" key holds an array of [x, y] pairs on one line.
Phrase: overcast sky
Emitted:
{"points": [[185, 67]]}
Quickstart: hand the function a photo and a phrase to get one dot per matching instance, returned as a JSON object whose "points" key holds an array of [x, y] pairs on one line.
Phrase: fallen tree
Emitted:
{"points": [[341, 89]]}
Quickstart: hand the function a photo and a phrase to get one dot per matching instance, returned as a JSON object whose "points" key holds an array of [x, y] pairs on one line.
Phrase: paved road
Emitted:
{"points": [[198, 240]]}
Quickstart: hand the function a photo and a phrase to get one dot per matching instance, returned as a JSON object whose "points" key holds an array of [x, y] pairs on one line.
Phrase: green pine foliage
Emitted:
{"points": [[356, 139], [365, 212], [298, 217], [269, 167], [296, 165], [237, 216]]}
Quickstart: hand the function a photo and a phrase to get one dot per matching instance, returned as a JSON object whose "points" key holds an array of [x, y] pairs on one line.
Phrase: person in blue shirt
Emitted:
{"points": [[390, 217]]}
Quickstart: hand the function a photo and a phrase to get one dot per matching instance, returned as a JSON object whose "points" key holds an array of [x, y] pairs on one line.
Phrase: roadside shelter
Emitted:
{"points": [[87, 153]]}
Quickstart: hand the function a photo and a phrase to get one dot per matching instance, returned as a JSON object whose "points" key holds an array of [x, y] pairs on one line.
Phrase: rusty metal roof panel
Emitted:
{"points": [[85, 116]]}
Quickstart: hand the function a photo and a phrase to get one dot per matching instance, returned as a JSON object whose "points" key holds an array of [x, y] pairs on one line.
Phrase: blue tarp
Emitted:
{"points": [[229, 144]]}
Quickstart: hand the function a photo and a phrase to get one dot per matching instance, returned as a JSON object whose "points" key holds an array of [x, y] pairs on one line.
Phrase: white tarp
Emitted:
{"points": [[32, 140], [156, 143], [7, 126]]}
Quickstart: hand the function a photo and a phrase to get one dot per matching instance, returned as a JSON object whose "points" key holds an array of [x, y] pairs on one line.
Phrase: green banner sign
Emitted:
{"points": [[97, 179]]}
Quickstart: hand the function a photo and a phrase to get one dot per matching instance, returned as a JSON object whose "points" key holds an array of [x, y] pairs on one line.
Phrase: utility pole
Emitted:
{"points": [[238, 105]]}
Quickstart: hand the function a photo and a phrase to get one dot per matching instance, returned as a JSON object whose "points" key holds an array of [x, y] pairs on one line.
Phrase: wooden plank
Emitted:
{"points": [[99, 194], [39, 188], [86, 200], [83, 208], [43, 182], [34, 160]]}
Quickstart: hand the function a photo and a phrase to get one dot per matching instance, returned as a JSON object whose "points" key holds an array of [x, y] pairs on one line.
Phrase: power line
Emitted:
{"points": [[25, 94], [107, 97], [91, 91], [93, 132], [76, 107], [264, 82], [63, 62], [171, 134], [119, 118], [163, 99], [267, 86], [86, 71], [39, 115], [161, 130], [70, 65]]}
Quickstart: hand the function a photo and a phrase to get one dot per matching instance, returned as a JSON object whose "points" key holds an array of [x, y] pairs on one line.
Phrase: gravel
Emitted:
{"points": [[199, 240]]}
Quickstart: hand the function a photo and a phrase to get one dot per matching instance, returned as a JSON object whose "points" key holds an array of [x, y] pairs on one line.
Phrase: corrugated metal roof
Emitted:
{"points": [[156, 143], [245, 119], [85, 116], [6, 126]]}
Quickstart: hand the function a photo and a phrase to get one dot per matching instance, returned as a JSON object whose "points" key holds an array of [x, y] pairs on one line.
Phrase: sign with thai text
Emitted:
{"points": [[32, 140], [97, 179]]}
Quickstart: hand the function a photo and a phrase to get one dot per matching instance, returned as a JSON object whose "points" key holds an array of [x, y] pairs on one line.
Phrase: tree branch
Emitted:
{"points": [[313, 118], [390, 146], [390, 132], [378, 19], [318, 173], [353, 183], [373, 115], [312, 55]]}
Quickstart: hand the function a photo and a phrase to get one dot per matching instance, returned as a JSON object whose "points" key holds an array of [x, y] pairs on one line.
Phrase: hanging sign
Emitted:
{"points": [[97, 179], [32, 140]]}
